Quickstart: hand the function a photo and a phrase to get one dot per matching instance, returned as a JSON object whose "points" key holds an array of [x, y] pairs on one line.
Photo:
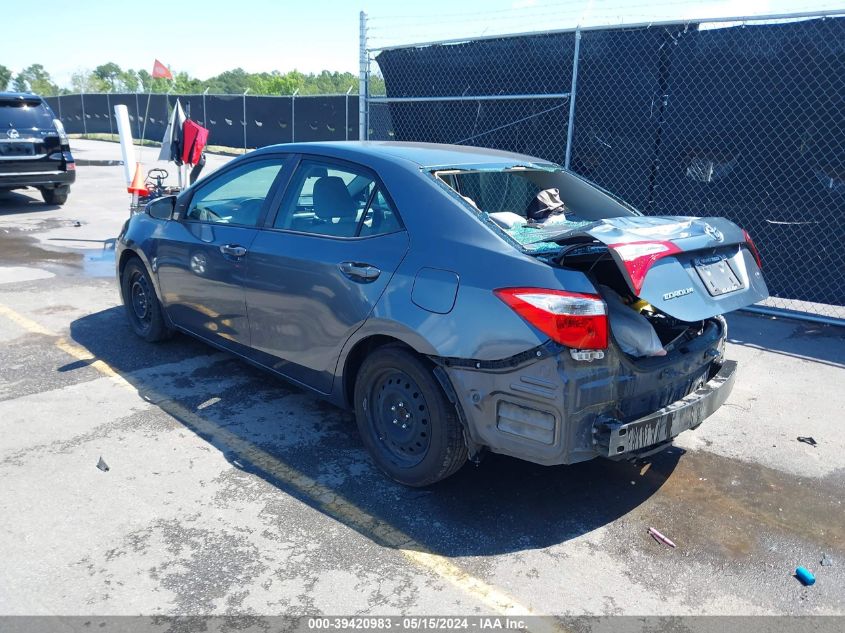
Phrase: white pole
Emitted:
{"points": [[124, 130]]}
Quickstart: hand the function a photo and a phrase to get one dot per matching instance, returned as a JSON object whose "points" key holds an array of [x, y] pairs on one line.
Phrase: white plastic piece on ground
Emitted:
{"points": [[124, 130], [632, 331]]}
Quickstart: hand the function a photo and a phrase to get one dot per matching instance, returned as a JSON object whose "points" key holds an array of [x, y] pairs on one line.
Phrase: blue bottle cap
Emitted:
{"points": [[805, 576]]}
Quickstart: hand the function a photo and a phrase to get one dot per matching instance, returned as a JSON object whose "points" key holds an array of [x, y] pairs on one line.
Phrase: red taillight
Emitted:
{"points": [[573, 319], [753, 248], [638, 257], [71, 166]]}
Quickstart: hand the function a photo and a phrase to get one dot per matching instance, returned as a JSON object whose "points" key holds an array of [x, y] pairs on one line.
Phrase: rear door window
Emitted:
{"points": [[340, 201]]}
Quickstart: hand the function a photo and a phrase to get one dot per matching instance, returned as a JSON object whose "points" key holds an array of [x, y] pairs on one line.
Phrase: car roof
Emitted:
{"points": [[423, 154], [18, 95]]}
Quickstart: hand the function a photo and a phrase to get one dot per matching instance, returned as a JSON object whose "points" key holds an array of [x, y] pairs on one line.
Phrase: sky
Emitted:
{"points": [[307, 35]]}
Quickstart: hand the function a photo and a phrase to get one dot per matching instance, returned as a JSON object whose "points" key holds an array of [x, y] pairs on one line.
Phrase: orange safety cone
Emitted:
{"points": [[138, 187]]}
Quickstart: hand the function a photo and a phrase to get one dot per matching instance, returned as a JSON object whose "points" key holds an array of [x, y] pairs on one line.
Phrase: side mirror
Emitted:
{"points": [[162, 208]]}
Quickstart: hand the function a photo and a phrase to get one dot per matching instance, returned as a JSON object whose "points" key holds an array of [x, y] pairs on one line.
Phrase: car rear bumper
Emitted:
{"points": [[615, 438], [45, 178], [546, 407]]}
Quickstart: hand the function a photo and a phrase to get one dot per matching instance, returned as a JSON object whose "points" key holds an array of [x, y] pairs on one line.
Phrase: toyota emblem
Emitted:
{"points": [[13, 133], [713, 232]]}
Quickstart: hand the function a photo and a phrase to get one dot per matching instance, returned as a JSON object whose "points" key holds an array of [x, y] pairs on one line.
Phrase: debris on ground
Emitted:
{"points": [[805, 576], [102, 465], [826, 561], [657, 536], [77, 223], [808, 440]]}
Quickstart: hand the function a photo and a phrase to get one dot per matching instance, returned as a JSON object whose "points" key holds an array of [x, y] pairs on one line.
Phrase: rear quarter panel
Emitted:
{"points": [[446, 235]]}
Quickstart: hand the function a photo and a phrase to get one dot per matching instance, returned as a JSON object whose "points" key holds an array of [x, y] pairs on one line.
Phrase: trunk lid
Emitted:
{"points": [[689, 268]]}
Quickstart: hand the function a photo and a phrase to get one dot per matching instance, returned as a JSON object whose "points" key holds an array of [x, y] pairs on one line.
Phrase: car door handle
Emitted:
{"points": [[233, 249], [357, 271]]}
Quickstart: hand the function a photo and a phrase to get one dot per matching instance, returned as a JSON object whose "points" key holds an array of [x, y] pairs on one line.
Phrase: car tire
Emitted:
{"points": [[406, 422], [143, 309], [57, 195]]}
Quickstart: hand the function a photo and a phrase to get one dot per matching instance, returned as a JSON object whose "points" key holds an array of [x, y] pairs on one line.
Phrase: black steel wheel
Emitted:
{"points": [[406, 422], [400, 417], [141, 303]]}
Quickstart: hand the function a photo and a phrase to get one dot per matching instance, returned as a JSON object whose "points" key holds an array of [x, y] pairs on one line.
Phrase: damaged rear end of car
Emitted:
{"points": [[626, 368]]}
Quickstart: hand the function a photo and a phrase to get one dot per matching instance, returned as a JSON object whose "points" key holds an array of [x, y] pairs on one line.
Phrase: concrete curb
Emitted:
{"points": [[93, 162]]}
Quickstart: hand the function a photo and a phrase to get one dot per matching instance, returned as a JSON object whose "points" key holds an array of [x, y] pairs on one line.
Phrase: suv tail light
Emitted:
{"points": [[573, 319], [753, 248], [60, 128], [638, 257]]}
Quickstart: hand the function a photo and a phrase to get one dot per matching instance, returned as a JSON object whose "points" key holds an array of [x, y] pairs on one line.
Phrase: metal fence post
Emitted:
{"points": [[346, 110], [204, 116], [137, 116], [244, 96], [84, 123], [293, 116], [108, 112], [572, 90], [363, 79]]}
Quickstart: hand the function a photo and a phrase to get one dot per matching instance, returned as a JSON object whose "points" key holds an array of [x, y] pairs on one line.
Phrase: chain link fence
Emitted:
{"points": [[706, 118], [238, 121]]}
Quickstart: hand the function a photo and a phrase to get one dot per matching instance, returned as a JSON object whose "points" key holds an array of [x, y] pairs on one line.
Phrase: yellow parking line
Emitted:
{"points": [[24, 322], [322, 497]]}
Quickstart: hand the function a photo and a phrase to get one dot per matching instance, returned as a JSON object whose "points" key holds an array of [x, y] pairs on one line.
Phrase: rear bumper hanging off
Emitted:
{"points": [[614, 438]]}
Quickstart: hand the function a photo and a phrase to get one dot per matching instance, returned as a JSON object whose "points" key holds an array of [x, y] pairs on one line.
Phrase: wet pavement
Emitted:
{"points": [[232, 492]]}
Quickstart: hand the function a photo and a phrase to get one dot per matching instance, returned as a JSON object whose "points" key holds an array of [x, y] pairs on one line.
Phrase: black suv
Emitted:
{"points": [[34, 149]]}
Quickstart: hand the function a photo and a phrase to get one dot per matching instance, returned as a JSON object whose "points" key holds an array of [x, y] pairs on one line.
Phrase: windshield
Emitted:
{"points": [[24, 113], [529, 205]]}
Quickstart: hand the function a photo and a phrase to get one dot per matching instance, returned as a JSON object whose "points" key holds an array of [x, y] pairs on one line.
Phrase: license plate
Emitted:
{"points": [[17, 149], [717, 275]]}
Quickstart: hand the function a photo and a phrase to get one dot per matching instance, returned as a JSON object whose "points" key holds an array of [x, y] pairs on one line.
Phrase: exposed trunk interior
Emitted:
{"points": [[594, 259]]}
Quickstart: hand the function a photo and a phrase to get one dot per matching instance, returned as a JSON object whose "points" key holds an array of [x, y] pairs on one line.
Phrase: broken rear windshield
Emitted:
{"points": [[528, 204]]}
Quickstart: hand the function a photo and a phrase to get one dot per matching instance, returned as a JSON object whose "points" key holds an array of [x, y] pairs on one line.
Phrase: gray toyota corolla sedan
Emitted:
{"points": [[458, 299]]}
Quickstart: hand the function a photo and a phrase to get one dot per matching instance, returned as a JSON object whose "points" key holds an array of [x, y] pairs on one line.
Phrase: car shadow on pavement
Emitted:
{"points": [[789, 337], [286, 436], [18, 202]]}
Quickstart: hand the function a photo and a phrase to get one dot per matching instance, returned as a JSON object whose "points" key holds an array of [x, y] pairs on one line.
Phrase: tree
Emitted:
{"points": [[87, 81], [275, 83], [152, 84], [185, 84], [231, 82], [35, 79], [110, 77], [129, 80], [330, 83], [5, 77], [110, 74]]}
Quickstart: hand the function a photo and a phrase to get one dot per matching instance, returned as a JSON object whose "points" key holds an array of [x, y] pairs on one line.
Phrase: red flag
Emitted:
{"points": [[160, 70]]}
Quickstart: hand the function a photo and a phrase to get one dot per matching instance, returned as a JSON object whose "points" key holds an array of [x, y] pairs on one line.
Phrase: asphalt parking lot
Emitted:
{"points": [[230, 492]]}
